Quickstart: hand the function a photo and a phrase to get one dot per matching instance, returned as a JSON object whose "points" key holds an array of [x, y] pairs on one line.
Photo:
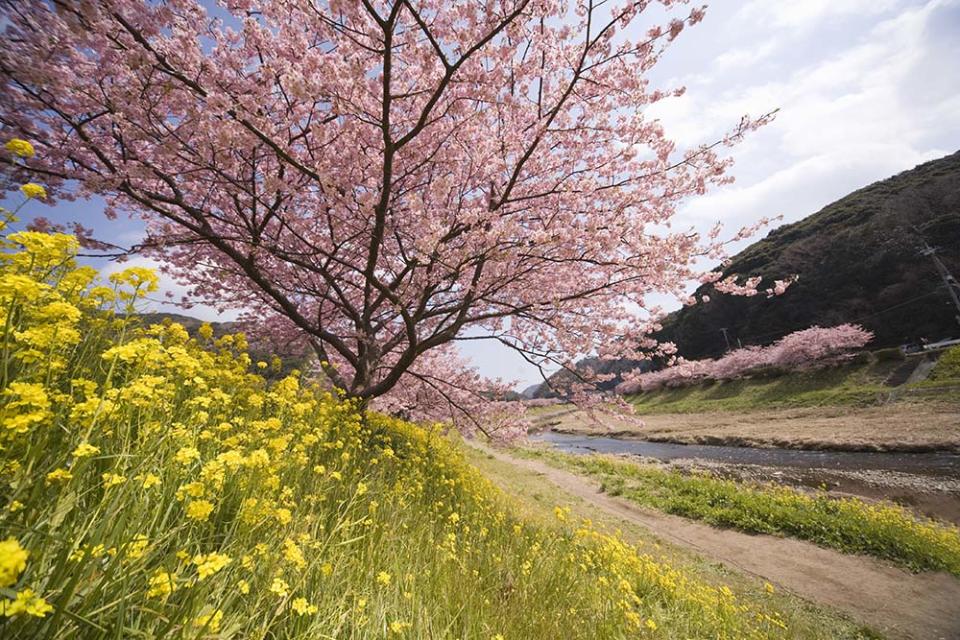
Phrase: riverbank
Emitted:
{"points": [[847, 524], [931, 496], [895, 602], [917, 427], [876, 382]]}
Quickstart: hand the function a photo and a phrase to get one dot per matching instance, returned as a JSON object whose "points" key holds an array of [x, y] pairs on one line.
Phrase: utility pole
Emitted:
{"points": [[725, 337], [953, 287]]}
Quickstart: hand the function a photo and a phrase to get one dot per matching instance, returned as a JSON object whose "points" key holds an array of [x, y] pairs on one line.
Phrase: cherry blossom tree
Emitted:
{"points": [[680, 373], [818, 346], [377, 177], [739, 362], [803, 350]]}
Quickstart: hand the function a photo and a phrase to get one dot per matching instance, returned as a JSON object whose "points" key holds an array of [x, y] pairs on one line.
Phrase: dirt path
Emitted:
{"points": [[900, 604]]}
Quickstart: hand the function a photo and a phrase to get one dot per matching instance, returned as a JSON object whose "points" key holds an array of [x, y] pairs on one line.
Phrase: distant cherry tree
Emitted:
{"points": [[803, 350], [378, 178], [818, 346]]}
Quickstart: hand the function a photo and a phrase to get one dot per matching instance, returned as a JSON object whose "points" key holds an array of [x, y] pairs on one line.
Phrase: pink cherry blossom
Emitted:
{"points": [[802, 350], [374, 179]]}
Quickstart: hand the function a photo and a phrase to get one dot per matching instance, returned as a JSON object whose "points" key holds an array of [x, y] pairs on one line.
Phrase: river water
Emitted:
{"points": [[930, 464]]}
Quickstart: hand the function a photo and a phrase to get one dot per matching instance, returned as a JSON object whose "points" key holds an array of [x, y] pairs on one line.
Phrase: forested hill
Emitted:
{"points": [[858, 259]]}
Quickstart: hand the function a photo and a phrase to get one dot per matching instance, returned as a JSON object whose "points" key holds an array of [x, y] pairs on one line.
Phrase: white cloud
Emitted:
{"points": [[866, 88], [808, 14], [845, 121]]}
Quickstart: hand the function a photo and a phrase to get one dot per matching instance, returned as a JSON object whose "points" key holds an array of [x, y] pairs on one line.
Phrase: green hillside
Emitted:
{"points": [[858, 261]]}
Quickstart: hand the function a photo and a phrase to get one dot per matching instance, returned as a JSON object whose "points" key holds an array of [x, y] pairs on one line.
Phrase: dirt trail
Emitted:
{"points": [[900, 604]]}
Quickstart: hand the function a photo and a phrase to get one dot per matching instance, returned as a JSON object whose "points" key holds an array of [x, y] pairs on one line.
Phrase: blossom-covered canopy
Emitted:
{"points": [[377, 177]]}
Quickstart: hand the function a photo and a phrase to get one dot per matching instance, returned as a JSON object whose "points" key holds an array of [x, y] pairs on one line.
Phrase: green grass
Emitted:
{"points": [[848, 385], [848, 525], [948, 366], [536, 499], [852, 385]]}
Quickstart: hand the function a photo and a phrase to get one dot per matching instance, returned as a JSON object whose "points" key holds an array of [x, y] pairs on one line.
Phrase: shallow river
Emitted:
{"points": [[933, 464]]}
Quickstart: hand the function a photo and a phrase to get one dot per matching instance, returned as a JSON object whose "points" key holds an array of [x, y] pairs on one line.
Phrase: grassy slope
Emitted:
{"points": [[537, 499], [848, 385], [152, 486]]}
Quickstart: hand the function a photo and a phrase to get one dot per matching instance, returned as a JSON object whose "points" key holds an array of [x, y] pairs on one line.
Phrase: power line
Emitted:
{"points": [[951, 283]]}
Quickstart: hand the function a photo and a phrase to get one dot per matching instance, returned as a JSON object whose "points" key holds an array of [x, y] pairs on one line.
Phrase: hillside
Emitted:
{"points": [[858, 260]]}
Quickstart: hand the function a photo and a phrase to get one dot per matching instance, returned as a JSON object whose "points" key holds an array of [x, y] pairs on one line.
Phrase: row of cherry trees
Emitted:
{"points": [[802, 350]]}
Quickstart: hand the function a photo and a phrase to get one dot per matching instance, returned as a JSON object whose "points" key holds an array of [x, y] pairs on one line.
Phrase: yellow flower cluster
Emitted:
{"points": [[33, 190], [13, 562], [161, 483], [20, 148]]}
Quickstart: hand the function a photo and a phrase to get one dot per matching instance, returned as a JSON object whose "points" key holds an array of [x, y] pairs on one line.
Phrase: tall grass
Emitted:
{"points": [[153, 486], [884, 530]]}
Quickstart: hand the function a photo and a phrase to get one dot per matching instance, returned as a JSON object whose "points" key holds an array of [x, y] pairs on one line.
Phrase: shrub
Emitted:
{"points": [[948, 366]]}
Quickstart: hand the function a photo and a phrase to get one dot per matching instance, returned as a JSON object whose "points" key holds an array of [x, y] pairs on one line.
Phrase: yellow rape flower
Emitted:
{"points": [[211, 563], [148, 480], [199, 510], [280, 588], [283, 515], [26, 602], [30, 407], [137, 547], [13, 560], [33, 190], [398, 626], [210, 621], [186, 455], [112, 479], [138, 278], [383, 578], [20, 148], [59, 475], [85, 449], [292, 554], [161, 584], [302, 607]]}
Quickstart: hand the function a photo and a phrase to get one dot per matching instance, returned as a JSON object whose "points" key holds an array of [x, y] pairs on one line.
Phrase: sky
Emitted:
{"points": [[865, 89]]}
